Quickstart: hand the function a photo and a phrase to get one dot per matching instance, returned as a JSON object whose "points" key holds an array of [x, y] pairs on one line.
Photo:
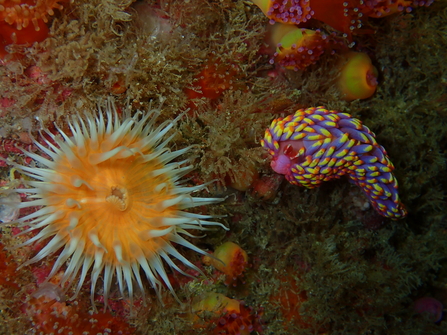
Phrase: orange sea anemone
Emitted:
{"points": [[112, 202]]}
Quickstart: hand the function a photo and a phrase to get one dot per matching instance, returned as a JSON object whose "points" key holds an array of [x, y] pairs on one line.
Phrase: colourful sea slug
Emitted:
{"points": [[316, 145]]}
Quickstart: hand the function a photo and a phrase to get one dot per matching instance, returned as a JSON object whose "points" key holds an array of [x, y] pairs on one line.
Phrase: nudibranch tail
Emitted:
{"points": [[316, 145]]}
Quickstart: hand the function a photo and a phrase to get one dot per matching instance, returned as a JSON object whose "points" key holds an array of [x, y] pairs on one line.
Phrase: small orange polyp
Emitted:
{"points": [[230, 259], [297, 48], [358, 77], [216, 303], [219, 314]]}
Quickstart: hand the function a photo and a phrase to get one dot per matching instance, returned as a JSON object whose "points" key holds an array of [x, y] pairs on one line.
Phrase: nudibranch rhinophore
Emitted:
{"points": [[316, 145]]}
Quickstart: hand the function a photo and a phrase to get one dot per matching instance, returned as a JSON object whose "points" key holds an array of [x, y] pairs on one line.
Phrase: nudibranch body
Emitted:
{"points": [[316, 145]]}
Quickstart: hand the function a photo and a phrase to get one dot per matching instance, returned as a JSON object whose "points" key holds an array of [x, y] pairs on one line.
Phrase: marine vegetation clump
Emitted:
{"points": [[347, 279], [139, 71], [408, 112], [226, 136], [101, 48], [60, 71]]}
